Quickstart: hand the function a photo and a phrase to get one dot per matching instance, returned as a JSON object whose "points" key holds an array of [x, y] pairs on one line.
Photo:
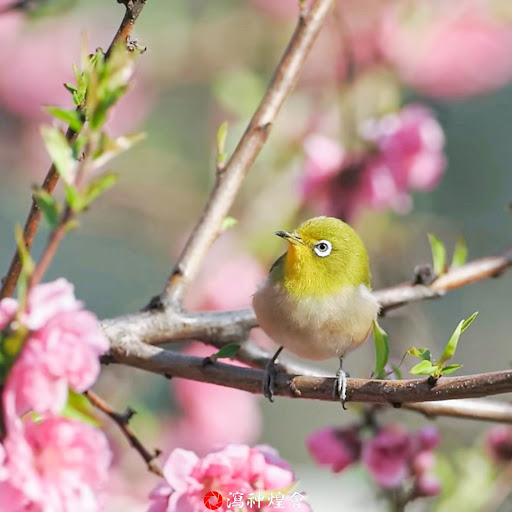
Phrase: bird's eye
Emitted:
{"points": [[323, 248]]}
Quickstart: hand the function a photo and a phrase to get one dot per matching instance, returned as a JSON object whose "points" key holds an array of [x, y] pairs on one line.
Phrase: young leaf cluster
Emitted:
{"points": [[460, 254], [427, 366]]}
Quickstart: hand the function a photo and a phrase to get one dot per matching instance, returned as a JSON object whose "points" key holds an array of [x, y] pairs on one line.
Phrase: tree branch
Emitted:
{"points": [[122, 420], [392, 392], [471, 409], [230, 179], [9, 282]]}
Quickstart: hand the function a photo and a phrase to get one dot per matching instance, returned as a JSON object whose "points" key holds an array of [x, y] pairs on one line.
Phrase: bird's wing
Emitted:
{"points": [[276, 270]]}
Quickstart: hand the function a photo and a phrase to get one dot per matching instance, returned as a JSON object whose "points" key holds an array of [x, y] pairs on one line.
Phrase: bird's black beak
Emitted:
{"points": [[290, 237]]}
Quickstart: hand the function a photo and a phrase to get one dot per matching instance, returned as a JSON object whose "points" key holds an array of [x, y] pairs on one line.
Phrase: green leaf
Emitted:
{"points": [[438, 254], [398, 373], [228, 223], [460, 253], [72, 117], [420, 353], [48, 205], [450, 369], [110, 148], [60, 152], [97, 186], [469, 321], [27, 263], [71, 88], [79, 408], [423, 368], [227, 351], [381, 340], [221, 143], [73, 198], [451, 346]]}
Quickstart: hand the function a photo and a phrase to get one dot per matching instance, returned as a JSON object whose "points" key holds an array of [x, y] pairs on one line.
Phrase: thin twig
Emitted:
{"points": [[230, 179], [471, 409], [395, 393], [9, 282], [122, 420]]}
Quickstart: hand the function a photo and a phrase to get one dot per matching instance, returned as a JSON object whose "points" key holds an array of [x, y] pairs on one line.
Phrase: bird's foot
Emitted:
{"points": [[269, 378], [340, 386]]}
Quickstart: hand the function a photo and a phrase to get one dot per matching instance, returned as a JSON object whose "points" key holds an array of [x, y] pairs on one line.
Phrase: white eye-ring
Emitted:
{"points": [[323, 248]]}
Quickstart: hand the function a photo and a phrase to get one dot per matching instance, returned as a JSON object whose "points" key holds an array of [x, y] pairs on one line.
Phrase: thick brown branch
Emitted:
{"points": [[230, 179], [395, 393], [122, 420], [9, 282]]}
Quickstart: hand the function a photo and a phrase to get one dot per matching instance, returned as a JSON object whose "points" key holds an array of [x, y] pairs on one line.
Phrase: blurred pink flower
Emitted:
{"points": [[428, 437], [226, 416], [387, 455], [337, 448], [408, 153], [498, 442], [54, 465], [448, 49], [427, 485], [62, 350], [236, 469], [395, 455]]}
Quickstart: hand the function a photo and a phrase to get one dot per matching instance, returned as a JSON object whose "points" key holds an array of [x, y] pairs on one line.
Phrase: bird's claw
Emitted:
{"points": [[269, 380], [340, 387]]}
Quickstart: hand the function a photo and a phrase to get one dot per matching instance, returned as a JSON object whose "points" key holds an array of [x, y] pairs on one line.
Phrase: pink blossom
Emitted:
{"points": [[337, 448], [386, 456], [427, 485], [428, 437], [409, 156], [331, 179], [54, 465], [406, 151], [62, 350], [234, 469], [448, 49], [499, 444]]}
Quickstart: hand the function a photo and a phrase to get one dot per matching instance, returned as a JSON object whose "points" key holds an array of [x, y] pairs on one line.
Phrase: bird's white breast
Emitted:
{"points": [[316, 328]]}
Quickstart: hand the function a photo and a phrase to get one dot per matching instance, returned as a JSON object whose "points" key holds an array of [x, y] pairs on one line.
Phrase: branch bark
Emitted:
{"points": [[390, 392], [9, 282], [230, 178]]}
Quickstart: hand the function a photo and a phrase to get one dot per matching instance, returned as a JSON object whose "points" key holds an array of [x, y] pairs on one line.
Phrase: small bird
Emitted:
{"points": [[316, 301]]}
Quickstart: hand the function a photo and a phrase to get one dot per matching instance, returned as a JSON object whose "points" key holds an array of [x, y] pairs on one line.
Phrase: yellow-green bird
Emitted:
{"points": [[316, 301]]}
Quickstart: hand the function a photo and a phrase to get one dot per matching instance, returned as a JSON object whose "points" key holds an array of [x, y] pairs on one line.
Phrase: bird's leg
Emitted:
{"points": [[340, 384], [269, 379]]}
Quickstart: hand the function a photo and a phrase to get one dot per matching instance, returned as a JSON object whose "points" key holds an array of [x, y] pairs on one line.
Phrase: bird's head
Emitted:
{"points": [[324, 255]]}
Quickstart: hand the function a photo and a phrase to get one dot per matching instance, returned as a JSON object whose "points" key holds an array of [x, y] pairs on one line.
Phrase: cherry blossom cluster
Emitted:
{"points": [[49, 462], [394, 458], [405, 152], [235, 477]]}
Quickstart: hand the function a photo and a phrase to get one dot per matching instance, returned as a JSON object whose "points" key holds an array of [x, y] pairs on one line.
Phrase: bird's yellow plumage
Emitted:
{"points": [[316, 301]]}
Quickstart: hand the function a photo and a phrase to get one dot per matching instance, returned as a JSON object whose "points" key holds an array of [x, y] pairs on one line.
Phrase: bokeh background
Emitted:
{"points": [[210, 61]]}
